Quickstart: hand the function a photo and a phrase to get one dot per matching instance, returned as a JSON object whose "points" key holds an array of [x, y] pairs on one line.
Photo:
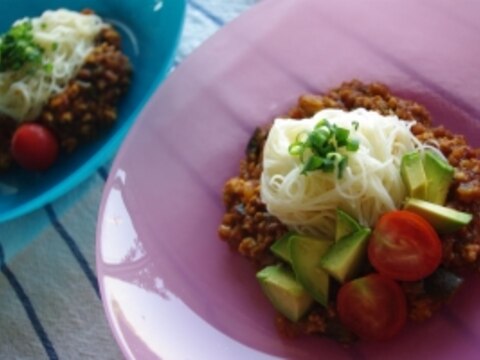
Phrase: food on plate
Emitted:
{"points": [[62, 74], [358, 213]]}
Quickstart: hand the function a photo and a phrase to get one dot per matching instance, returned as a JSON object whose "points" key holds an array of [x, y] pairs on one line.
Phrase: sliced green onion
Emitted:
{"points": [[317, 139], [313, 163], [352, 144], [342, 165], [321, 147], [48, 68], [296, 149], [18, 49], [328, 165], [323, 122], [341, 135]]}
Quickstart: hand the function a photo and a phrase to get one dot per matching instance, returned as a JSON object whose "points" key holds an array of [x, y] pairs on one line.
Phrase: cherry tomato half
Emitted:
{"points": [[34, 147], [373, 307], [404, 246]]}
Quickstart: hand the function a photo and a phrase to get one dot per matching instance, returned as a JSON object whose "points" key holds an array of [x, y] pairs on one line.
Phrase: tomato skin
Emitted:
{"points": [[373, 307], [34, 147], [404, 246]]}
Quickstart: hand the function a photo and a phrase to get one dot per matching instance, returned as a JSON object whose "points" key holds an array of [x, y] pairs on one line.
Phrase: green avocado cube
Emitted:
{"points": [[413, 175], [346, 257], [306, 253], [439, 175], [443, 219], [285, 293], [345, 225], [281, 247]]}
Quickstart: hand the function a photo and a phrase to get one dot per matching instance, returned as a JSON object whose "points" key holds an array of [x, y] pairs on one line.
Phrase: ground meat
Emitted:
{"points": [[354, 95], [88, 104], [247, 226], [318, 321], [249, 229]]}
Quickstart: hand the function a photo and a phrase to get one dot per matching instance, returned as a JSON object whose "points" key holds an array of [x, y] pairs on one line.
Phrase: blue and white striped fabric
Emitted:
{"points": [[50, 304]]}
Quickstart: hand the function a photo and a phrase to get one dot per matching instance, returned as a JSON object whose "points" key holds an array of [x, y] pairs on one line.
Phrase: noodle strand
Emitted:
{"points": [[371, 183]]}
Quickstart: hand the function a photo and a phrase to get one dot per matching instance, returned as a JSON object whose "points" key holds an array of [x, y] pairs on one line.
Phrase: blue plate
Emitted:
{"points": [[150, 31]]}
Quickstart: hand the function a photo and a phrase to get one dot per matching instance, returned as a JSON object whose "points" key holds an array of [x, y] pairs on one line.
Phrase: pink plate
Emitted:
{"points": [[171, 288]]}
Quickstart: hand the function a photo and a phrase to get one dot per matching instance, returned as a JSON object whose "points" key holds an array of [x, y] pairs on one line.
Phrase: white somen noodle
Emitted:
{"points": [[371, 184]]}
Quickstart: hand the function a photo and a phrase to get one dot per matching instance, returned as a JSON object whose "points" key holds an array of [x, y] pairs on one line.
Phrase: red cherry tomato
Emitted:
{"points": [[404, 246], [373, 307], [34, 147]]}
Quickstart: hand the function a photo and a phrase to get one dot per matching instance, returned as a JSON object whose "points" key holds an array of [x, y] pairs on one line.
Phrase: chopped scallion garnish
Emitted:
{"points": [[18, 49], [352, 144], [48, 68], [321, 147]]}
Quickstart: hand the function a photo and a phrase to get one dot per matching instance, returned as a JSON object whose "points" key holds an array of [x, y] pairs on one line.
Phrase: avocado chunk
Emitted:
{"points": [[345, 258], [281, 247], [413, 175], [285, 293], [345, 225], [439, 175], [443, 219], [306, 253]]}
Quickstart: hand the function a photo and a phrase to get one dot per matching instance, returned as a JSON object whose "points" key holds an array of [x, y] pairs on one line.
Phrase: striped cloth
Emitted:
{"points": [[50, 304]]}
